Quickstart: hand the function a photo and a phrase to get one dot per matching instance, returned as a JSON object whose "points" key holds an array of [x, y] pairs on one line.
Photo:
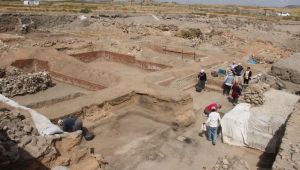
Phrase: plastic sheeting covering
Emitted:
{"points": [[259, 127], [42, 123], [235, 125]]}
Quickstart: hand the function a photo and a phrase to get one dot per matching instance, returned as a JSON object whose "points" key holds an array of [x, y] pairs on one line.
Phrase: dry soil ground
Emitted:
{"points": [[140, 53]]}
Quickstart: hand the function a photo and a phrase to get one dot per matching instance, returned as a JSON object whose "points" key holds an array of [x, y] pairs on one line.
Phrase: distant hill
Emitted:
{"points": [[292, 6]]}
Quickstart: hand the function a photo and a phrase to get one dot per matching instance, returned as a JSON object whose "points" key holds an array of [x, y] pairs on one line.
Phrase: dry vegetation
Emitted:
{"points": [[162, 8]]}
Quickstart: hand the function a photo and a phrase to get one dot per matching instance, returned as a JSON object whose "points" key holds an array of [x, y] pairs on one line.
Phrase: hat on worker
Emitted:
{"points": [[202, 71], [213, 108], [60, 122]]}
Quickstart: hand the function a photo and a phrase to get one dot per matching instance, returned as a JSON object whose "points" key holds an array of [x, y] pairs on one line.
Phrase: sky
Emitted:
{"points": [[275, 3]]}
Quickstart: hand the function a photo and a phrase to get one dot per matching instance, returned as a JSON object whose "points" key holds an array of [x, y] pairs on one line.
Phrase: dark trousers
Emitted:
{"points": [[202, 84], [246, 81], [226, 89], [235, 100], [77, 125]]}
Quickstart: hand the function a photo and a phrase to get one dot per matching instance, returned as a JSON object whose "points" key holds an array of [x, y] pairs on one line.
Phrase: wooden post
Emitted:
{"points": [[194, 56], [181, 54]]}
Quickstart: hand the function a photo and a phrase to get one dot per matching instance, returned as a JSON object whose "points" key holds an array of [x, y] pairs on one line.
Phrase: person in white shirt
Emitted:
{"points": [[233, 65], [212, 125]]}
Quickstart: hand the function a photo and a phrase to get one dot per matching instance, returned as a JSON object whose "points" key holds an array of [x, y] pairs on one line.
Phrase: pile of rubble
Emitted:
{"points": [[22, 146], [50, 43], [133, 28], [3, 46], [231, 163], [19, 140], [14, 82], [165, 27], [254, 93]]}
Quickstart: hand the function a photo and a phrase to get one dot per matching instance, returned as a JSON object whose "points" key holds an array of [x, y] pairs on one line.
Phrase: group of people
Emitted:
{"points": [[236, 76]]}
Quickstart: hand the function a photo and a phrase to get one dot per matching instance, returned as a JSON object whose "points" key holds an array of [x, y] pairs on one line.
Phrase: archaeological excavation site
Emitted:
{"points": [[129, 76]]}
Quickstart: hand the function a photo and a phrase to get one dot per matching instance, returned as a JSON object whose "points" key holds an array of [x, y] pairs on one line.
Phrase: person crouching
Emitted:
{"points": [[70, 124]]}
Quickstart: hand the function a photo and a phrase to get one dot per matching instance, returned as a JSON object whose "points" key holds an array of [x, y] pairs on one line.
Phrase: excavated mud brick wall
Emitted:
{"points": [[158, 108], [178, 52], [34, 65], [120, 58]]}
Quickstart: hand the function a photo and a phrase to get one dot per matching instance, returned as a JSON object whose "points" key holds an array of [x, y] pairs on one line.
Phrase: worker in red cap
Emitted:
{"points": [[208, 108], [212, 123]]}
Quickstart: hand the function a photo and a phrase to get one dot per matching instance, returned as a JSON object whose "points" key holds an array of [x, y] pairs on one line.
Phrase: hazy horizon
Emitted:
{"points": [[275, 3]]}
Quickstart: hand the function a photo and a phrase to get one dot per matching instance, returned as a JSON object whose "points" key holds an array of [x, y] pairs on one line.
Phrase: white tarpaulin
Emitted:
{"points": [[235, 125], [259, 127], [42, 123]]}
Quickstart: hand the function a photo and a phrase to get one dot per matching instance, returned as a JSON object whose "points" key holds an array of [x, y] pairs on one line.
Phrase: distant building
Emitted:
{"points": [[283, 14], [31, 2]]}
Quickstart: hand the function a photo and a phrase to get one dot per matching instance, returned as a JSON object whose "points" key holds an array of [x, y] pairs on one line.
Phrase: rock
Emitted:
{"points": [[63, 161], [225, 166], [225, 162], [233, 163], [26, 139], [27, 129], [185, 119], [5, 128], [254, 93]]}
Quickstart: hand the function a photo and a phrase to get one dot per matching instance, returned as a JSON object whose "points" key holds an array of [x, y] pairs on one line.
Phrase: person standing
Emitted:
{"points": [[247, 75], [239, 71], [233, 65], [212, 123], [236, 92], [202, 78], [228, 82]]}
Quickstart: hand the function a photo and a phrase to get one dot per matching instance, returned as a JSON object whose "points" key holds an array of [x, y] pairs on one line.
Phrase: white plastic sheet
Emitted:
{"points": [[259, 127], [42, 123], [235, 125]]}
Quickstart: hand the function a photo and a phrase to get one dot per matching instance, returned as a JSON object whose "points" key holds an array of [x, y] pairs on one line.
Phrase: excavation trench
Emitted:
{"points": [[130, 124], [35, 65], [180, 53], [127, 60]]}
